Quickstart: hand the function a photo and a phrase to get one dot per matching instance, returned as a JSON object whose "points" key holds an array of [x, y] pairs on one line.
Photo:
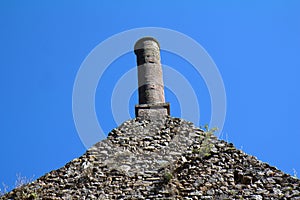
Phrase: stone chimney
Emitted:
{"points": [[150, 79]]}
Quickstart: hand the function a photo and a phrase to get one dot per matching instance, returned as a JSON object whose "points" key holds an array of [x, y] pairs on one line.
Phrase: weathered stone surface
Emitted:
{"points": [[151, 87], [152, 110], [164, 158], [150, 78]]}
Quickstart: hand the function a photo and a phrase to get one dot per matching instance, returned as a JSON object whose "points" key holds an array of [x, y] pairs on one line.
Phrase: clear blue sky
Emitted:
{"points": [[255, 45]]}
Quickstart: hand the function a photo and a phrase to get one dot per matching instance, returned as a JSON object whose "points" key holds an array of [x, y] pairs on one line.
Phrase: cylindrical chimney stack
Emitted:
{"points": [[150, 79]]}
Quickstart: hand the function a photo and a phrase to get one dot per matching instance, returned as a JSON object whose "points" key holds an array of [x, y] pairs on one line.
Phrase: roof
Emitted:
{"points": [[165, 158]]}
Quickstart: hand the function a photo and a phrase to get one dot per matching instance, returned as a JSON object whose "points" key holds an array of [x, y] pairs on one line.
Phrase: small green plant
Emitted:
{"points": [[206, 145], [210, 131], [33, 195], [233, 192], [168, 176]]}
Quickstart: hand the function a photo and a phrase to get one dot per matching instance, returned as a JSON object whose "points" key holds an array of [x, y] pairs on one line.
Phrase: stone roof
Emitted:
{"points": [[166, 158]]}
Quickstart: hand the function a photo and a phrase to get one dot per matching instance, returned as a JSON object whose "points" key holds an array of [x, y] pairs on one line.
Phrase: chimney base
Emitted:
{"points": [[152, 110]]}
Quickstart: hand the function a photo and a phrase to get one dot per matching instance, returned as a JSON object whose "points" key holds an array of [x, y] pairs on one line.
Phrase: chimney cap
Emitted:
{"points": [[140, 43]]}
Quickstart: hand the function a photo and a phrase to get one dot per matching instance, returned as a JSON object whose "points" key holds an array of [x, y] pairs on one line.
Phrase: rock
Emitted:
{"points": [[165, 158]]}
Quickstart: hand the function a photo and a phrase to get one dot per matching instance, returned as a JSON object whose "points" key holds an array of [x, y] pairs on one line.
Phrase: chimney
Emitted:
{"points": [[150, 79]]}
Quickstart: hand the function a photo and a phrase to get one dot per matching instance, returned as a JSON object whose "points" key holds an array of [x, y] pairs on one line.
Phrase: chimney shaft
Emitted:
{"points": [[151, 87], [150, 79]]}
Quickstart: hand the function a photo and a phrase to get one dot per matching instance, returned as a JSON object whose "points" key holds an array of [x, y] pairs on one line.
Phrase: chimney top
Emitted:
{"points": [[144, 42]]}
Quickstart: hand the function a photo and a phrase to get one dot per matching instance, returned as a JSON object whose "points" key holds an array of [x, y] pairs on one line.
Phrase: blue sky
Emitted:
{"points": [[255, 46]]}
